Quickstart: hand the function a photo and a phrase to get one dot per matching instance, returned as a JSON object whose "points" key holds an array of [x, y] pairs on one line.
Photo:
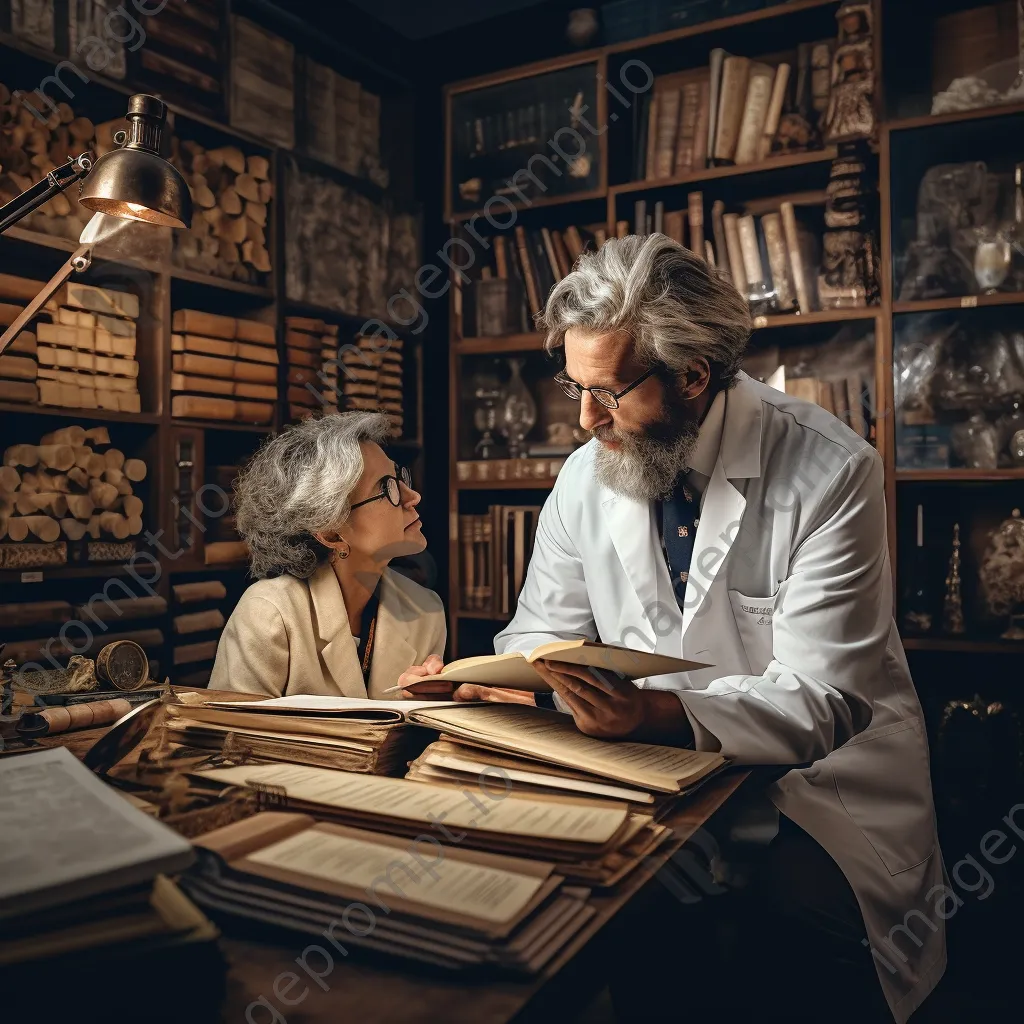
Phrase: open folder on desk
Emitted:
{"points": [[460, 910]]}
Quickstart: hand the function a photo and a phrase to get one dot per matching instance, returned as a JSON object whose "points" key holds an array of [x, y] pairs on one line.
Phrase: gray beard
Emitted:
{"points": [[648, 463]]}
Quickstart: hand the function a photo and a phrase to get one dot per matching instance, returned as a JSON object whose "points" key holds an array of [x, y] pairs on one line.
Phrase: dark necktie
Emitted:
{"points": [[679, 520]]}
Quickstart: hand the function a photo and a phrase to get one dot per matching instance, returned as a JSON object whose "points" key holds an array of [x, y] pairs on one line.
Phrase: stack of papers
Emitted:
{"points": [[81, 869], [540, 751], [595, 842], [452, 907], [356, 735]]}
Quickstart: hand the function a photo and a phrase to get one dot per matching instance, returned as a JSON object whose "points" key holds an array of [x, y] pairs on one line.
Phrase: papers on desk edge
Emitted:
{"points": [[72, 836]]}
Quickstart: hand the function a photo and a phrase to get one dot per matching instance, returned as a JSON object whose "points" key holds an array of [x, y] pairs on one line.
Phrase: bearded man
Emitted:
{"points": [[715, 519]]}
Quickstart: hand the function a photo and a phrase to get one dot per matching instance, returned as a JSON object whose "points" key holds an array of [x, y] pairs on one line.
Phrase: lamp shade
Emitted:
{"points": [[135, 182]]}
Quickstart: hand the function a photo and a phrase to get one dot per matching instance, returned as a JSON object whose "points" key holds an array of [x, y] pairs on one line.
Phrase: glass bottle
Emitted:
{"points": [[520, 411], [918, 605]]}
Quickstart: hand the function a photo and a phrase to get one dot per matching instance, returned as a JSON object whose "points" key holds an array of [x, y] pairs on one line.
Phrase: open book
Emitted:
{"points": [[514, 670], [301, 705]]}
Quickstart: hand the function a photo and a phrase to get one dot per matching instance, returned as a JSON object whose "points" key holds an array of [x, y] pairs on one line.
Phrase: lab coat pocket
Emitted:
{"points": [[754, 617], [884, 783]]}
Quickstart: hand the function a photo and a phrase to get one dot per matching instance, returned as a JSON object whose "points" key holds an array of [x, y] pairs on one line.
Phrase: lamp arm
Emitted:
{"points": [[43, 191], [79, 260]]}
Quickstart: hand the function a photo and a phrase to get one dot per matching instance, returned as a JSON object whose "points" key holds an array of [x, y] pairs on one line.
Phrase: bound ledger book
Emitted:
{"points": [[515, 670], [465, 909], [332, 732]]}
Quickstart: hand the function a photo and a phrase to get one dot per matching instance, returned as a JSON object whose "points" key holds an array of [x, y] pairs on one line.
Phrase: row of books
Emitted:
{"points": [[531, 261], [726, 113], [496, 550], [772, 259]]}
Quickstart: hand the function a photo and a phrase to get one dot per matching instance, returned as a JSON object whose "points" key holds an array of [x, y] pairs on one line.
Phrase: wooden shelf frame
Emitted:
{"points": [[175, 287], [881, 317]]}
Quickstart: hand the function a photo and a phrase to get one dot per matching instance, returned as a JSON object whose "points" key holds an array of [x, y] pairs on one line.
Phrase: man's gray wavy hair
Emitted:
{"points": [[672, 304], [300, 483]]}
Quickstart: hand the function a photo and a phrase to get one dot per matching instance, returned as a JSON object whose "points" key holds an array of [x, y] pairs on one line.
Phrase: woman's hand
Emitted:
{"points": [[494, 694], [416, 682]]}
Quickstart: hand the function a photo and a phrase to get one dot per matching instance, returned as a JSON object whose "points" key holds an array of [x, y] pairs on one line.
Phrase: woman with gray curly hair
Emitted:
{"points": [[324, 511]]}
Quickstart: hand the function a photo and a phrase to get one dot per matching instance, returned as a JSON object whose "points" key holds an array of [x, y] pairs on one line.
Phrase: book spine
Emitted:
{"points": [[730, 225], [674, 222], [668, 123], [796, 263], [718, 233], [778, 260], [621, 228], [573, 242], [500, 257], [561, 253], [650, 163], [709, 253], [714, 93], [695, 214], [766, 268], [735, 73], [771, 121], [755, 112], [524, 261], [640, 217], [466, 541], [700, 132], [549, 251], [751, 255], [685, 141], [659, 217]]}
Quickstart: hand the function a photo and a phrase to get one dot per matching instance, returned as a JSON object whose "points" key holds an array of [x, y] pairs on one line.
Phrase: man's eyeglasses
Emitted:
{"points": [[389, 487], [609, 399]]}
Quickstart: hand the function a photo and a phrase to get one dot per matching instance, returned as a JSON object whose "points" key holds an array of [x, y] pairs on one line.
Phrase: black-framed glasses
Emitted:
{"points": [[609, 399], [389, 487]]}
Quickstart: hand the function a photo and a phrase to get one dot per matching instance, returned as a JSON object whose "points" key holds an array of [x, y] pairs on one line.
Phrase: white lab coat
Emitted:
{"points": [[789, 598]]}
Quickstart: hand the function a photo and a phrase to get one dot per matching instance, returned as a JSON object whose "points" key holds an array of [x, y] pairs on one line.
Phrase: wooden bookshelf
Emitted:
{"points": [[172, 287], [662, 52]]}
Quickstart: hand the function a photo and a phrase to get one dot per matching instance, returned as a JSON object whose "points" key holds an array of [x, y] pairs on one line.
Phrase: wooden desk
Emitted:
{"points": [[385, 991]]}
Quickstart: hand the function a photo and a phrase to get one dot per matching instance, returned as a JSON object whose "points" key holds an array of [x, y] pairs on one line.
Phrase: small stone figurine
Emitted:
{"points": [[952, 603], [851, 106]]}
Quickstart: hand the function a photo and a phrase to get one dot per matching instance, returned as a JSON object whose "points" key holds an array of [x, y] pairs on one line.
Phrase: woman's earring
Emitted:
{"points": [[344, 553]]}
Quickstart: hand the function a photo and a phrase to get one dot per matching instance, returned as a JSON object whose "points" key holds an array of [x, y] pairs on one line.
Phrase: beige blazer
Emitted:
{"points": [[289, 635]]}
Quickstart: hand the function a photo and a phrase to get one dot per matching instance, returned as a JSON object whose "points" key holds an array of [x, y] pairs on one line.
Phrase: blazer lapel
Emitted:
{"points": [[392, 652], [339, 655], [635, 536]]}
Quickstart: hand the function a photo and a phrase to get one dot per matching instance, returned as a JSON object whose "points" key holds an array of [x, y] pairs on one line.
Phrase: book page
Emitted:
{"points": [[628, 662], [552, 736], [475, 768], [485, 893], [581, 822]]}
